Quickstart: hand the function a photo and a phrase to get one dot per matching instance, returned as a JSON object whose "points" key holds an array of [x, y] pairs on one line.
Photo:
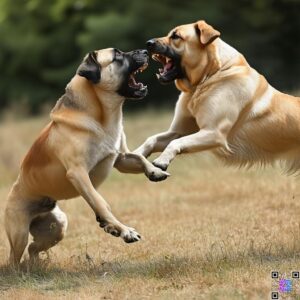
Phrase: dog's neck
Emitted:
{"points": [[96, 110], [100, 104], [220, 57], [228, 56], [203, 69]]}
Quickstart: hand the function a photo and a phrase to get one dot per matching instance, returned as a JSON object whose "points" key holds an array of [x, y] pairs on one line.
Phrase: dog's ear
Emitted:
{"points": [[206, 33], [90, 68]]}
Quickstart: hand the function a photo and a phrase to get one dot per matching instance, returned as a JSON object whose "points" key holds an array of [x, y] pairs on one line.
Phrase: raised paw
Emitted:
{"points": [[129, 235], [156, 174], [101, 222], [160, 164], [112, 229]]}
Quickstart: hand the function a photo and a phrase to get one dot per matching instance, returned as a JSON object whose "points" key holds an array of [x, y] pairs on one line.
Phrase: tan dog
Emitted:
{"points": [[75, 153], [225, 105]]}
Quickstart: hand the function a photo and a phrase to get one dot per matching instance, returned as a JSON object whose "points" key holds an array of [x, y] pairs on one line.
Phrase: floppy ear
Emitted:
{"points": [[206, 32], [90, 68]]}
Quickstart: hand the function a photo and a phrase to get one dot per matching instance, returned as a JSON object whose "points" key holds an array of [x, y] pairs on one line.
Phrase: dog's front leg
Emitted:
{"points": [[156, 143], [79, 177], [202, 140], [135, 163], [128, 162], [183, 124]]}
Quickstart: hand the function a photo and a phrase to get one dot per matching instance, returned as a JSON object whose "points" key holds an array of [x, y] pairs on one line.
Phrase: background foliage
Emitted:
{"points": [[43, 42]]}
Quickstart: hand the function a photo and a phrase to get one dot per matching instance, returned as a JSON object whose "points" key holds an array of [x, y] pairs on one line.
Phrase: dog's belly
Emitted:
{"points": [[261, 142], [270, 131], [244, 151], [51, 181], [47, 177]]}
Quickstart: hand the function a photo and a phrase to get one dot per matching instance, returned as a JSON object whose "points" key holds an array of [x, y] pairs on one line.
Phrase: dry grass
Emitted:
{"points": [[209, 231]]}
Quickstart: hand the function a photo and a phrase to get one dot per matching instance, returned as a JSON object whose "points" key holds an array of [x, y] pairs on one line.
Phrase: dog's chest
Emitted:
{"points": [[103, 151]]}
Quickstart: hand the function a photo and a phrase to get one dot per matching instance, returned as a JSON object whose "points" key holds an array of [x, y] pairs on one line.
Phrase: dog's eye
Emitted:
{"points": [[175, 36]]}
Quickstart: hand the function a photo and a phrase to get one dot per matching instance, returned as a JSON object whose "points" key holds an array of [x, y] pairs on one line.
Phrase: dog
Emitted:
{"points": [[225, 106], [76, 151]]}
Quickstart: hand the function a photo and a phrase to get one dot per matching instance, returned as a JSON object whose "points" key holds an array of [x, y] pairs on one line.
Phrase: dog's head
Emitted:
{"points": [[114, 71], [184, 53]]}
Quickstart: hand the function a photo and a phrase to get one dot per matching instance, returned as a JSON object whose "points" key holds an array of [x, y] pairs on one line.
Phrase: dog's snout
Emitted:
{"points": [[150, 44], [141, 52]]}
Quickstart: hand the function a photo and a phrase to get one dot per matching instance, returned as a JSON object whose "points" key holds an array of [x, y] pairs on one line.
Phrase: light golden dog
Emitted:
{"points": [[75, 153], [224, 106]]}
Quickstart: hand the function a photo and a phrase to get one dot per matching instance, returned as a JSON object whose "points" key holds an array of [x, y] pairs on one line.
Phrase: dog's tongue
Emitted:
{"points": [[168, 66], [132, 81]]}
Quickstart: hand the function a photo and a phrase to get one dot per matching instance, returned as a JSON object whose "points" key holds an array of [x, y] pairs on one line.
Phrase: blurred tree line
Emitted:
{"points": [[43, 42]]}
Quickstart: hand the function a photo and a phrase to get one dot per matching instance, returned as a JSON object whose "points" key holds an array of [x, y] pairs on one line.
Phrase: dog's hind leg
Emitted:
{"points": [[17, 229], [19, 213], [17, 219], [47, 230]]}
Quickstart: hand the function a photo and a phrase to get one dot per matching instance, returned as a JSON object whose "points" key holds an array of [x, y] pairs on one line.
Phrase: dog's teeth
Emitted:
{"points": [[155, 57], [157, 75], [144, 67]]}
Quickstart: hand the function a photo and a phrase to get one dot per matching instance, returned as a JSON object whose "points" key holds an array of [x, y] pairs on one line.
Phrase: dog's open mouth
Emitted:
{"points": [[132, 82], [170, 69], [132, 63], [167, 63], [131, 87]]}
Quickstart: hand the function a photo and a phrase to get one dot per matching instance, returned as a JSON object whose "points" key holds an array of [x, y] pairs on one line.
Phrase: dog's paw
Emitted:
{"points": [[112, 229], [130, 235], [101, 222], [156, 174], [160, 164]]}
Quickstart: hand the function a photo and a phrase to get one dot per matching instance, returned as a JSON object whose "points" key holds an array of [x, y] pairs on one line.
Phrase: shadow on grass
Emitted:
{"points": [[46, 277]]}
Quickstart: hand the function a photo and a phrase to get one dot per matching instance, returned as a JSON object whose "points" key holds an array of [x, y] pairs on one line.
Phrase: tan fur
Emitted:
{"points": [[238, 115], [38, 153], [71, 157]]}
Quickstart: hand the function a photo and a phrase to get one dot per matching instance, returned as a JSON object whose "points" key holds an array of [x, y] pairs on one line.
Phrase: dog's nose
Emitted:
{"points": [[150, 44], [142, 52]]}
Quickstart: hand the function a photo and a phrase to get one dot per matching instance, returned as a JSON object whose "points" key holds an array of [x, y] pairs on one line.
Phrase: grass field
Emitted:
{"points": [[209, 231]]}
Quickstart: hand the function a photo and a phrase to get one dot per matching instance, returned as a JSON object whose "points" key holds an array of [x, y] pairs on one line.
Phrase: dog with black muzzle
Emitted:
{"points": [[225, 106], [76, 151]]}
